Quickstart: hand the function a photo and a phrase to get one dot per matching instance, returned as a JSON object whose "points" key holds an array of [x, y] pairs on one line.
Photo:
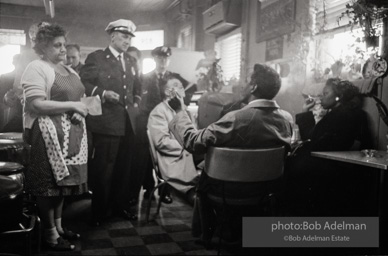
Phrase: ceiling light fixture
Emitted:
{"points": [[49, 7]]}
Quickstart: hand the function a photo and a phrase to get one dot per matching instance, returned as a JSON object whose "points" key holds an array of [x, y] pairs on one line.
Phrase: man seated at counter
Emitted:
{"points": [[176, 164], [260, 124]]}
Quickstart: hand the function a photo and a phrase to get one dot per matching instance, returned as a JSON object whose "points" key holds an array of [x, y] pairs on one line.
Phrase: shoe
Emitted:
{"points": [[147, 195], [127, 215], [69, 235], [167, 199], [62, 245]]}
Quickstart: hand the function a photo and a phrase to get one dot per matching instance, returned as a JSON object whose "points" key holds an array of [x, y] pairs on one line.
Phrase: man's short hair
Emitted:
{"points": [[267, 80], [73, 46]]}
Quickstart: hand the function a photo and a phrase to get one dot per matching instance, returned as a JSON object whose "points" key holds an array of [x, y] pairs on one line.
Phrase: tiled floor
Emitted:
{"points": [[169, 233], [166, 234]]}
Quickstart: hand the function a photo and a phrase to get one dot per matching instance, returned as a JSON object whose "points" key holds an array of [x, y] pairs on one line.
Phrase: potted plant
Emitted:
{"points": [[367, 15]]}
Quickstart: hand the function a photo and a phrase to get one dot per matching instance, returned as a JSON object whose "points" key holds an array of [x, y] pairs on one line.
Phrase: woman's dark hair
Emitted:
{"points": [[46, 34], [267, 80], [349, 95]]}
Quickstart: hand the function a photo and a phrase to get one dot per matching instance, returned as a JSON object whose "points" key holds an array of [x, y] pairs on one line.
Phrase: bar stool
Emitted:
{"points": [[13, 220], [13, 148]]}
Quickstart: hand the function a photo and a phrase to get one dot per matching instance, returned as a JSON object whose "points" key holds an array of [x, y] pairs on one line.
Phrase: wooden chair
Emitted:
{"points": [[245, 166], [159, 178]]}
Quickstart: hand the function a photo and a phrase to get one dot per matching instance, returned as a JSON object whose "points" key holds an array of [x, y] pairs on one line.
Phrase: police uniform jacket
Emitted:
{"points": [[103, 71]]}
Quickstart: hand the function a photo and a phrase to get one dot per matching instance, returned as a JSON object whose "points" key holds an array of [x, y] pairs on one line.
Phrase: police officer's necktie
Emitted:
{"points": [[160, 79], [121, 62], [160, 85]]}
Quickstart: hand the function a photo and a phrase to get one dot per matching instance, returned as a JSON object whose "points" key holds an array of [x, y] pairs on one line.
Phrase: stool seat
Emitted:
{"points": [[13, 148], [11, 136], [11, 143], [9, 168]]}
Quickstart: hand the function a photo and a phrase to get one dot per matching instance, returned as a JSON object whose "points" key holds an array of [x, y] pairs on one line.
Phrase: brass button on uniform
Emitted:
{"points": [[126, 107], [125, 87], [124, 76]]}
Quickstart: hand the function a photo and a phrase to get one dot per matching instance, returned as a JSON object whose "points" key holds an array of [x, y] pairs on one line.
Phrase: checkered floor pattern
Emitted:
{"points": [[168, 233]]}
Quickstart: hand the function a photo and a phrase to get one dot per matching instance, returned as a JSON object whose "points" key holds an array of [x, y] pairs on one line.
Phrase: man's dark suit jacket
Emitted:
{"points": [[102, 71], [260, 124]]}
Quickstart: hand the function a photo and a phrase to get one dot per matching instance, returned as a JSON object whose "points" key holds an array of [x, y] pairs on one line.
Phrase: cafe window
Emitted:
{"points": [[228, 49], [340, 50], [10, 41], [148, 65], [185, 38], [331, 16], [148, 40], [328, 12]]}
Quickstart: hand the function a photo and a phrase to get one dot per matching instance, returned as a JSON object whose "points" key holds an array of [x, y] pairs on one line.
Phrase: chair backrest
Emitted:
{"points": [[154, 157], [244, 165]]}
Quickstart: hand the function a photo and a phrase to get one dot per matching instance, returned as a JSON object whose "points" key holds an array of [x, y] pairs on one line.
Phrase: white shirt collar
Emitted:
{"points": [[115, 52], [260, 100]]}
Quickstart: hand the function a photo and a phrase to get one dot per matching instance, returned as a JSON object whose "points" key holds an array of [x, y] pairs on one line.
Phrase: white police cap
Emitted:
{"points": [[121, 25]]}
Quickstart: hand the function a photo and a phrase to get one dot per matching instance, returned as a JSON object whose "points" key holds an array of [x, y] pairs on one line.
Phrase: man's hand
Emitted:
{"points": [[176, 102], [111, 96]]}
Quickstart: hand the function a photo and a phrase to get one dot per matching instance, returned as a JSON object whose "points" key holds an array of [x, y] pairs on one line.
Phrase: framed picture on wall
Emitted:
{"points": [[274, 49], [275, 19]]}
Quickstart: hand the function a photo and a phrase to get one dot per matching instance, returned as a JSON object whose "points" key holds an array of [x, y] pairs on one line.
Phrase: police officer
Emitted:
{"points": [[110, 74], [153, 92]]}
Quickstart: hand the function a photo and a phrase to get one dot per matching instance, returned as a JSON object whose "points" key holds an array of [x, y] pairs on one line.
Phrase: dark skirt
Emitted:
{"points": [[39, 175]]}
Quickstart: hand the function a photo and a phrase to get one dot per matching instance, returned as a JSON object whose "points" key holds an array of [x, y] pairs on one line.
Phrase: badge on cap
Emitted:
{"points": [[121, 25], [162, 51]]}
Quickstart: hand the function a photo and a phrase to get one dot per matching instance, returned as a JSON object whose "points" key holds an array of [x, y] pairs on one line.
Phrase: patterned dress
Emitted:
{"points": [[71, 140]]}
